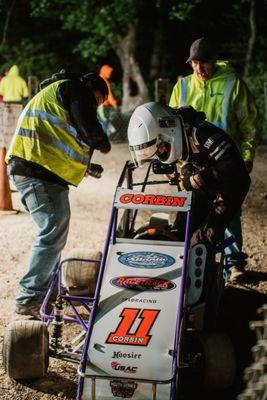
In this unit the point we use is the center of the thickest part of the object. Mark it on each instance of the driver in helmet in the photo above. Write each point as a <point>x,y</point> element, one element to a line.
<point>211,165</point>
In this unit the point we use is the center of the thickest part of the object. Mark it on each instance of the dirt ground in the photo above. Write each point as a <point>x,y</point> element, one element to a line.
<point>91,205</point>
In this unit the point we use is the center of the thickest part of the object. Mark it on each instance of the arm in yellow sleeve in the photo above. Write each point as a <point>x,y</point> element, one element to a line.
<point>247,116</point>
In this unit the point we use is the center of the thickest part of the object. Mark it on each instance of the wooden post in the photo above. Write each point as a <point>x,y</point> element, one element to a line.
<point>9,114</point>
<point>32,86</point>
<point>5,193</point>
<point>161,90</point>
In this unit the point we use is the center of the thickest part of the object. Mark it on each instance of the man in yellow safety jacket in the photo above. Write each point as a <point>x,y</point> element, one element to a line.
<point>52,146</point>
<point>227,102</point>
<point>13,87</point>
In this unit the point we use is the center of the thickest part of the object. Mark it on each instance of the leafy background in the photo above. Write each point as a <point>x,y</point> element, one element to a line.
<point>43,36</point>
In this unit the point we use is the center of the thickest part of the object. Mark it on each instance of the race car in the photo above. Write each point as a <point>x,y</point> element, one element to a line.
<point>144,305</point>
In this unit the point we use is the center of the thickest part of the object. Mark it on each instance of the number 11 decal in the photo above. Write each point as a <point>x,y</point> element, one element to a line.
<point>140,337</point>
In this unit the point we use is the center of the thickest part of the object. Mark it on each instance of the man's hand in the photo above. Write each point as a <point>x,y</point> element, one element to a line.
<point>95,170</point>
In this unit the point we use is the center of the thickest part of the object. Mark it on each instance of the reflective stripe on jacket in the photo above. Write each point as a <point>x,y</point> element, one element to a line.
<point>45,136</point>
<point>227,103</point>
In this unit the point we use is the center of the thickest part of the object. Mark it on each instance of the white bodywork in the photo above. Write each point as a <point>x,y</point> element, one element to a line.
<point>135,325</point>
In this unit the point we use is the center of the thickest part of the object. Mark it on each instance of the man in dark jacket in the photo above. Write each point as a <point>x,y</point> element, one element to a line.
<point>56,135</point>
<point>211,165</point>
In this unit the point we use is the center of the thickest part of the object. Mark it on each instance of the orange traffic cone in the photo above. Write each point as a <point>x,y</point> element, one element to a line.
<point>5,193</point>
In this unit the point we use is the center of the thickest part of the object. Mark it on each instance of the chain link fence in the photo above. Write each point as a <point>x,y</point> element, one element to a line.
<point>255,376</point>
<point>115,123</point>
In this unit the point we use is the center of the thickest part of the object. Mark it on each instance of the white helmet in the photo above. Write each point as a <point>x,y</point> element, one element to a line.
<point>150,125</point>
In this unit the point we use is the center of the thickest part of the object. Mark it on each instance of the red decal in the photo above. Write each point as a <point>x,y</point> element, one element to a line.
<point>151,199</point>
<point>140,337</point>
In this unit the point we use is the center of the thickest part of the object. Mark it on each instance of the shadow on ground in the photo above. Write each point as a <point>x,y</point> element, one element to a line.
<point>239,307</point>
<point>54,384</point>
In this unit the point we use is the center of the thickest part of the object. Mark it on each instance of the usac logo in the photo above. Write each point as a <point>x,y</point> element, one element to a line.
<point>126,369</point>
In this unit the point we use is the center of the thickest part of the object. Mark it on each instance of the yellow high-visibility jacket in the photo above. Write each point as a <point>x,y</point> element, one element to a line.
<point>13,87</point>
<point>227,103</point>
<point>45,135</point>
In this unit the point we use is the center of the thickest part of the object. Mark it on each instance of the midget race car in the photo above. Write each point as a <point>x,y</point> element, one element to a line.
<point>146,308</point>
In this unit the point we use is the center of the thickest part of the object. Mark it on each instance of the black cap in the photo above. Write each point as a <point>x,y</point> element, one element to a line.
<point>95,81</point>
<point>202,50</point>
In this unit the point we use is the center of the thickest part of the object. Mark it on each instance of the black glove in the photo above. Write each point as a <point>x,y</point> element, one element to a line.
<point>187,171</point>
<point>95,170</point>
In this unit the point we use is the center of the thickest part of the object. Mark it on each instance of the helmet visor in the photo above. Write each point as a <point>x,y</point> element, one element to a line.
<point>141,153</point>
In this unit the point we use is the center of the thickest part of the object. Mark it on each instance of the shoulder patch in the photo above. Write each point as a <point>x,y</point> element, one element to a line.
<point>209,142</point>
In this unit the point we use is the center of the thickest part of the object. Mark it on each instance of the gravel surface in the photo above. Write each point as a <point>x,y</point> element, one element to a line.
<point>91,204</point>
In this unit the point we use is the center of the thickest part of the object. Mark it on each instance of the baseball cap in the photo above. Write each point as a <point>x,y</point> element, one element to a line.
<point>202,49</point>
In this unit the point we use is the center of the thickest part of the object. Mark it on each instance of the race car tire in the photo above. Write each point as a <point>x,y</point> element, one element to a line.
<point>26,349</point>
<point>79,276</point>
<point>219,361</point>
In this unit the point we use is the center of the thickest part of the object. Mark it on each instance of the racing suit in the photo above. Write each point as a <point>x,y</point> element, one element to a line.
<point>216,173</point>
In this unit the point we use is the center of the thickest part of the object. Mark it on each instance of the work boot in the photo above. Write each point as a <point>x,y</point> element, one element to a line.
<point>236,275</point>
<point>32,310</point>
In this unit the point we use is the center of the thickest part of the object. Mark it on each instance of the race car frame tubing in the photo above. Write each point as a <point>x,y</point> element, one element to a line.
<point>94,306</point>
<point>81,299</point>
<point>180,306</point>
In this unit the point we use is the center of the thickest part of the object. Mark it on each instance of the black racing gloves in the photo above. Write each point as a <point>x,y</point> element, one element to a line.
<point>95,170</point>
<point>191,179</point>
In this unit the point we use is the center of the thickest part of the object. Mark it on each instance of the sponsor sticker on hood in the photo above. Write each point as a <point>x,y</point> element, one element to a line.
<point>146,259</point>
<point>143,283</point>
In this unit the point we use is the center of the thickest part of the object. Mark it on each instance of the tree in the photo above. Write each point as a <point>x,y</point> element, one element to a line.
<point>8,12</point>
<point>112,25</point>
<point>252,38</point>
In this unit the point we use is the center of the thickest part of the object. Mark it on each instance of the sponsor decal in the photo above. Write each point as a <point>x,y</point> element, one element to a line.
<point>143,283</point>
<point>140,337</point>
<point>209,142</point>
<point>146,259</point>
<point>126,369</point>
<point>138,300</point>
<point>119,354</point>
<point>152,199</point>
<point>123,389</point>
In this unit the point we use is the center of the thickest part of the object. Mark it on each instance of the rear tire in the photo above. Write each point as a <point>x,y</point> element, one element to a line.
<point>26,350</point>
<point>80,277</point>
<point>219,364</point>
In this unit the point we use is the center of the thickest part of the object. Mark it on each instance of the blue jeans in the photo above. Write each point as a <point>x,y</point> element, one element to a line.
<point>48,204</point>
<point>234,254</point>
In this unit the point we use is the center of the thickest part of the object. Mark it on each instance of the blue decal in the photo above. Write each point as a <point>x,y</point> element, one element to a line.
<point>146,259</point>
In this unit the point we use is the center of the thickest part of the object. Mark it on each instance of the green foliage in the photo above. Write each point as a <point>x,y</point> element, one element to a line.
<point>117,91</point>
<point>31,58</point>
<point>100,22</point>
<point>181,10</point>
<point>255,82</point>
